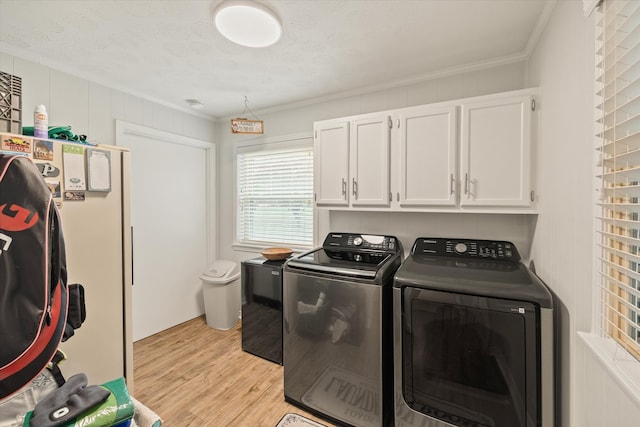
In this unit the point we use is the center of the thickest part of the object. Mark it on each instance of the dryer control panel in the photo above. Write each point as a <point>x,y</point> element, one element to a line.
<point>497,250</point>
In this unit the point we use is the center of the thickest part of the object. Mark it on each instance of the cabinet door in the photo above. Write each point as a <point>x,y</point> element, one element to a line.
<point>369,142</point>
<point>331,163</point>
<point>496,145</point>
<point>427,170</point>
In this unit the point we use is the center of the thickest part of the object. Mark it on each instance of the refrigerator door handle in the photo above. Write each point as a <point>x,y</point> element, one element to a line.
<point>132,276</point>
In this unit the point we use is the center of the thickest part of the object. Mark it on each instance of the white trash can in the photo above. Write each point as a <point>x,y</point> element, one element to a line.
<point>221,291</point>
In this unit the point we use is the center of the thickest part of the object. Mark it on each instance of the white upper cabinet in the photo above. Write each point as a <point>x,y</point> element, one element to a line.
<point>471,155</point>
<point>331,163</point>
<point>496,152</point>
<point>369,166</point>
<point>427,166</point>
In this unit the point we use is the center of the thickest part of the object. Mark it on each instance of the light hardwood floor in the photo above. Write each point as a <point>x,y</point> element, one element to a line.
<point>193,375</point>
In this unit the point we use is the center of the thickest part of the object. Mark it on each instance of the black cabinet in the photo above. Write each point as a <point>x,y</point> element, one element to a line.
<point>262,308</point>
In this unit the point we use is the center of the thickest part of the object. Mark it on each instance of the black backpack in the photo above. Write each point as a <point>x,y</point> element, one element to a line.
<point>33,276</point>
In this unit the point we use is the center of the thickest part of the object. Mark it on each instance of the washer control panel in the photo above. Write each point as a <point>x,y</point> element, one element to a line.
<point>357,242</point>
<point>466,248</point>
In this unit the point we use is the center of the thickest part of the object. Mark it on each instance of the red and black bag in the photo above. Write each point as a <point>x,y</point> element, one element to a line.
<point>33,275</point>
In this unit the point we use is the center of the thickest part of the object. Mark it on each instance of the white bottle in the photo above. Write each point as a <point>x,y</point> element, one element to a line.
<point>40,122</point>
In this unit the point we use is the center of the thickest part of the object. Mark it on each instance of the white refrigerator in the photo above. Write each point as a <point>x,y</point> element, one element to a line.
<point>90,185</point>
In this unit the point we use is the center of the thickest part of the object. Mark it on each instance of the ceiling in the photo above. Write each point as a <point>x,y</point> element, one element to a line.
<point>168,51</point>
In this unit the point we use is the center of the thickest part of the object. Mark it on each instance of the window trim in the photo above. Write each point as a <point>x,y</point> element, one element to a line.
<point>617,230</point>
<point>304,139</point>
<point>618,360</point>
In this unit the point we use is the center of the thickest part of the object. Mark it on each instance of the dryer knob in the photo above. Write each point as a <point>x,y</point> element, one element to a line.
<point>460,248</point>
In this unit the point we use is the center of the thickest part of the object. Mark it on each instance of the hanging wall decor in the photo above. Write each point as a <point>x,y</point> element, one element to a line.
<point>244,125</point>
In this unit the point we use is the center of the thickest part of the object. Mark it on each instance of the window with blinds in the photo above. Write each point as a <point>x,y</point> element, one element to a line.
<point>618,80</point>
<point>275,197</point>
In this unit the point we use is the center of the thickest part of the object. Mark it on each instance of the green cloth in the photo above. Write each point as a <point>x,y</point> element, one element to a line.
<point>57,132</point>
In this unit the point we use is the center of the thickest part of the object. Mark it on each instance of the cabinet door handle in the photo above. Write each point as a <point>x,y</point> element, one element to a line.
<point>354,187</point>
<point>344,188</point>
<point>466,183</point>
<point>451,184</point>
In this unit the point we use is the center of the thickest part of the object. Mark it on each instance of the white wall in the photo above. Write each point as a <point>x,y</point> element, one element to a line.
<point>406,226</point>
<point>92,109</point>
<point>562,65</point>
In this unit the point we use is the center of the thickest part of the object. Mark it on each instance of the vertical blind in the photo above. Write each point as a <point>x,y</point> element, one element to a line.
<point>275,197</point>
<point>618,81</point>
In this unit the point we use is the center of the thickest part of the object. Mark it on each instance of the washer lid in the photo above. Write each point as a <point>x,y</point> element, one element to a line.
<point>363,265</point>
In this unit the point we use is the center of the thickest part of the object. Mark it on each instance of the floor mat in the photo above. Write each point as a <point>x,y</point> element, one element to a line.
<point>295,420</point>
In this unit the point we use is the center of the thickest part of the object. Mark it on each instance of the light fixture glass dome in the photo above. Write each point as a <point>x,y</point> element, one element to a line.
<point>195,104</point>
<point>247,23</point>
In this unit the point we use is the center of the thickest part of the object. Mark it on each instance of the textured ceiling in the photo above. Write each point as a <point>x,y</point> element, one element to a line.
<point>169,51</point>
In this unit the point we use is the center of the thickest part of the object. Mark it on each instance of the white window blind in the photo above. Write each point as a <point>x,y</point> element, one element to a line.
<point>618,72</point>
<point>275,197</point>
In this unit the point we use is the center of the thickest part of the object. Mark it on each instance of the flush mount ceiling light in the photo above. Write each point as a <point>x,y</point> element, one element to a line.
<point>195,104</point>
<point>247,23</point>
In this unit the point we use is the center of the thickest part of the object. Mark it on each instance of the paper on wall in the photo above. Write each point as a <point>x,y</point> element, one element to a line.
<point>74,169</point>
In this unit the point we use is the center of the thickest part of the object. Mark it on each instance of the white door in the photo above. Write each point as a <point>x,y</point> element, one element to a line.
<point>369,161</point>
<point>428,175</point>
<point>171,198</point>
<point>496,152</point>
<point>331,161</point>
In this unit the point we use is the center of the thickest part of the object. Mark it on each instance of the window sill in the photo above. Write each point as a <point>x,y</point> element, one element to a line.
<point>623,368</point>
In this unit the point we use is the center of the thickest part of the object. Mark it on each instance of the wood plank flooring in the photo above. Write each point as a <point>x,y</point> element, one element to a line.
<point>193,375</point>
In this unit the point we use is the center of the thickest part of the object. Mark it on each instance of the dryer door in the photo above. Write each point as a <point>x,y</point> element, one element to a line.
<point>470,360</point>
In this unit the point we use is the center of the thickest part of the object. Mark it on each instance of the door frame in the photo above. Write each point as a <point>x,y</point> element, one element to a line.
<point>126,128</point>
